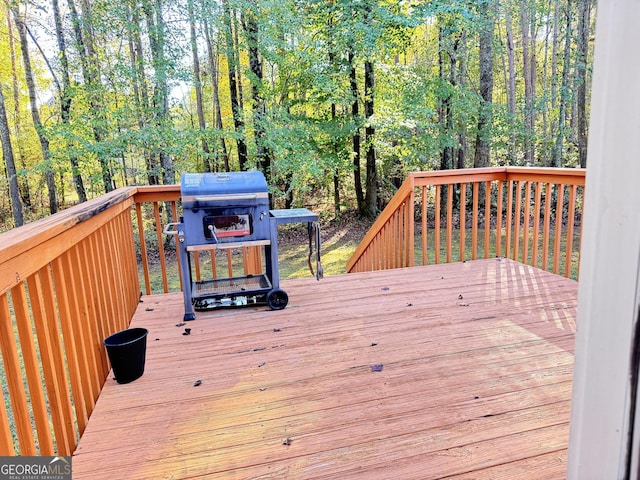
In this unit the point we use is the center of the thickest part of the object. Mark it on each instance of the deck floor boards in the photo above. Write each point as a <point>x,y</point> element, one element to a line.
<point>476,382</point>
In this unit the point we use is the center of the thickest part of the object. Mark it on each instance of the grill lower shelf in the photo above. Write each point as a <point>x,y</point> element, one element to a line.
<point>249,285</point>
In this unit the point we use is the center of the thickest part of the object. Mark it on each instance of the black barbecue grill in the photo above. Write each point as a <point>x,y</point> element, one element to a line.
<point>231,210</point>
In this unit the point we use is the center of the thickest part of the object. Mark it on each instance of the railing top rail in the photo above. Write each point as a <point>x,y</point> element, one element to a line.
<point>21,239</point>
<point>157,193</point>
<point>468,175</point>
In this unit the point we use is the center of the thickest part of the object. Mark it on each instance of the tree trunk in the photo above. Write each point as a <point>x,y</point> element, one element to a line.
<point>564,90</point>
<point>584,21</point>
<point>7,156</point>
<point>250,24</point>
<point>213,66</point>
<point>371,197</point>
<point>445,113</point>
<point>23,183</point>
<point>141,90</point>
<point>208,164</point>
<point>238,120</point>
<point>525,24</point>
<point>482,149</point>
<point>155,22</point>
<point>463,144</point>
<point>44,141</point>
<point>89,65</point>
<point>555,121</point>
<point>512,86</point>
<point>355,116</point>
<point>65,101</point>
<point>334,141</point>
<point>234,22</point>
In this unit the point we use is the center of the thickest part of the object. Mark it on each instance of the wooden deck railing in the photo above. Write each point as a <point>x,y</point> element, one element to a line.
<point>532,215</point>
<point>67,282</point>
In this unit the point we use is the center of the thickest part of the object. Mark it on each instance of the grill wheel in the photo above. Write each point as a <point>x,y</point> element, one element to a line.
<point>277,299</point>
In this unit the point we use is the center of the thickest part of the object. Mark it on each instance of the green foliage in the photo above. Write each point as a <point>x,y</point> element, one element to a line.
<point>425,56</point>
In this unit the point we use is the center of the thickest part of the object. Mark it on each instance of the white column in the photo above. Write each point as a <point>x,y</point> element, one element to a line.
<point>610,258</point>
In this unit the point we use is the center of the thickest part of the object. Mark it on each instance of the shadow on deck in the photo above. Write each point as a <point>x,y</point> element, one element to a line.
<point>476,358</point>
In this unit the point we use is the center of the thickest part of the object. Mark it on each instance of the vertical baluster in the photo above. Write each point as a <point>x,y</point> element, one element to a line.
<point>462,208</point>
<point>196,261</point>
<point>229,262</point>
<point>509,219</point>
<point>499,218</point>
<point>436,240</point>
<point>128,262</point>
<point>143,249</point>
<point>391,236</point>
<point>214,266</point>
<point>32,368</point>
<point>163,260</point>
<point>62,275</point>
<point>6,440</point>
<point>516,222</point>
<point>536,225</point>
<point>410,231</point>
<point>425,253</point>
<point>570,221</point>
<point>558,233</point>
<point>13,372</point>
<point>108,298</point>
<point>388,245</point>
<point>449,220</point>
<point>546,233</point>
<point>96,325</point>
<point>487,217</point>
<point>53,362</point>
<point>527,219</point>
<point>82,313</point>
<point>117,272</point>
<point>174,212</point>
<point>394,239</point>
<point>474,222</point>
<point>580,233</point>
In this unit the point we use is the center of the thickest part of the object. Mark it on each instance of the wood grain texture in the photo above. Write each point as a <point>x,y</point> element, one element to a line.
<point>476,382</point>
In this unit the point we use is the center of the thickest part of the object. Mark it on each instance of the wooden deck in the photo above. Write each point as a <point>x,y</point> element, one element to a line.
<point>476,382</point>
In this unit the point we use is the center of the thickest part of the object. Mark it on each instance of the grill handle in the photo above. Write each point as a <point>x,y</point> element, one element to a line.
<point>169,230</point>
<point>225,198</point>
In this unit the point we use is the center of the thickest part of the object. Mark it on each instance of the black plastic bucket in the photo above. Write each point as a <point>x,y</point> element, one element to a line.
<point>126,350</point>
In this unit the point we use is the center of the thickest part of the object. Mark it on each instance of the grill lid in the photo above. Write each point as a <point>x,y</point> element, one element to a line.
<point>226,188</point>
